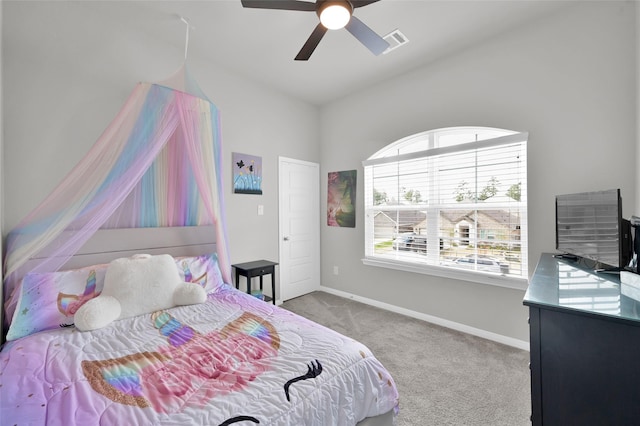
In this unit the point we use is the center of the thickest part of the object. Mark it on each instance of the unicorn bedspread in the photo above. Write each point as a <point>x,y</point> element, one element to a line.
<point>233,359</point>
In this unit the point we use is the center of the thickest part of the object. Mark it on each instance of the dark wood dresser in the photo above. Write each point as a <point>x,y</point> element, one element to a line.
<point>585,347</point>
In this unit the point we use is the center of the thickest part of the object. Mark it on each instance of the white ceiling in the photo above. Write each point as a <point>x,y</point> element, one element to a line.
<point>261,44</point>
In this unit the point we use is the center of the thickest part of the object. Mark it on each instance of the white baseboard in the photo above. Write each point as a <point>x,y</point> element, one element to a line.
<point>509,341</point>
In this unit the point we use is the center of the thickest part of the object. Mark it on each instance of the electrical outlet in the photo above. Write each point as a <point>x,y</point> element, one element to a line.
<point>260,210</point>
<point>335,270</point>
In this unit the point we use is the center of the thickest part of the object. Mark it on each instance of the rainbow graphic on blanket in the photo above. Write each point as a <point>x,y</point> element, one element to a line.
<point>201,366</point>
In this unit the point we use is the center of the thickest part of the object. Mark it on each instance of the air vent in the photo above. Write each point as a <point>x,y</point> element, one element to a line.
<point>395,39</point>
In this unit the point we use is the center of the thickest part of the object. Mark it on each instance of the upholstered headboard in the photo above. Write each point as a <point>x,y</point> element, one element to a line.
<point>109,244</point>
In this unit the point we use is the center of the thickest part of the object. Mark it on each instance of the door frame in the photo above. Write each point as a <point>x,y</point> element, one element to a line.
<point>283,275</point>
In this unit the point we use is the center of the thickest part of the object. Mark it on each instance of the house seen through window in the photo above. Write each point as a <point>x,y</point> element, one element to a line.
<point>452,202</point>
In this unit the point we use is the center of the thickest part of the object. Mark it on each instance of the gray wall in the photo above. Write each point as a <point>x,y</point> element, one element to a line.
<point>569,80</point>
<point>63,93</point>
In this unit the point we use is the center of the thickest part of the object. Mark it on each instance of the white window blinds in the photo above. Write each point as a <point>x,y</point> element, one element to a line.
<point>452,198</point>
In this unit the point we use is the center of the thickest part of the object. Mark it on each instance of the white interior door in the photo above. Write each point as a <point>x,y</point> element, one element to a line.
<point>299,199</point>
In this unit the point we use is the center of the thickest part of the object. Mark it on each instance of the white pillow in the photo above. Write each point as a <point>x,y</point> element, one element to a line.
<point>137,285</point>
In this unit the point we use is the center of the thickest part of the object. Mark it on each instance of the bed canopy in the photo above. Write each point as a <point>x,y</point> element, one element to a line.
<point>156,165</point>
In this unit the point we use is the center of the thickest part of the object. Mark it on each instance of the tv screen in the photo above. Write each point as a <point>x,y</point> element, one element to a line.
<point>589,225</point>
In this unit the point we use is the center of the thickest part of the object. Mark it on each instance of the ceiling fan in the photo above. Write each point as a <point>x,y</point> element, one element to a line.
<point>333,14</point>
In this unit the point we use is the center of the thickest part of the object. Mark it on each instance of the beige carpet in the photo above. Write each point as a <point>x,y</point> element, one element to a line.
<point>444,377</point>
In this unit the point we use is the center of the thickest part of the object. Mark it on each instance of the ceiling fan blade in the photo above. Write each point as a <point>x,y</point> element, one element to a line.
<point>311,43</point>
<point>280,4</point>
<point>366,36</point>
<point>361,3</point>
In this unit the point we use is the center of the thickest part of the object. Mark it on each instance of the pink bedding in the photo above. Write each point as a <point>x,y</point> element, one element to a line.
<point>231,360</point>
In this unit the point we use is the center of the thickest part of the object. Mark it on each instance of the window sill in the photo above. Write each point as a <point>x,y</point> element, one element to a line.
<point>441,271</point>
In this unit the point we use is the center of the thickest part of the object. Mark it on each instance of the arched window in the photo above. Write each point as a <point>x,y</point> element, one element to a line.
<point>450,202</point>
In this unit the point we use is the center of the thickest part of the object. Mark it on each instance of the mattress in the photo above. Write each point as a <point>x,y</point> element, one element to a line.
<point>231,360</point>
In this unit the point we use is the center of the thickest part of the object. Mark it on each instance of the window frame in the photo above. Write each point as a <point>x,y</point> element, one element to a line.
<point>382,157</point>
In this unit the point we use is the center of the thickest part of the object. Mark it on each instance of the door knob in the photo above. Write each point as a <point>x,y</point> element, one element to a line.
<point>286,238</point>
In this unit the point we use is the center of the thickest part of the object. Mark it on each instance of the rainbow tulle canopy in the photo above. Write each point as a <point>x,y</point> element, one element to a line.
<point>157,164</point>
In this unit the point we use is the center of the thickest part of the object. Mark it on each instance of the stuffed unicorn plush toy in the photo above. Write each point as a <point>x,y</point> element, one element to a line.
<point>137,285</point>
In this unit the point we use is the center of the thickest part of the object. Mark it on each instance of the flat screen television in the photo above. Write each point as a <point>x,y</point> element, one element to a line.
<point>589,225</point>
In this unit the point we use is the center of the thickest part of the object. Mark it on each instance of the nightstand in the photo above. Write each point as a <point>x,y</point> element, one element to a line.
<point>257,268</point>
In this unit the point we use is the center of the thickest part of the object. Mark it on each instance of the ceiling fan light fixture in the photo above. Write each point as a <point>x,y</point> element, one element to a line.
<point>335,15</point>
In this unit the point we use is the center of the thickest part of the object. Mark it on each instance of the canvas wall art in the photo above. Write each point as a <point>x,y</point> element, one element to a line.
<point>341,199</point>
<point>247,174</point>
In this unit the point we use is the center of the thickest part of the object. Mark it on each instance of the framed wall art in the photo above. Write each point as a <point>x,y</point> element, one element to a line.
<point>341,199</point>
<point>247,174</point>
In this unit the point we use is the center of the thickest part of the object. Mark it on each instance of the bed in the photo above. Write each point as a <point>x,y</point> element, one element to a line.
<point>233,359</point>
